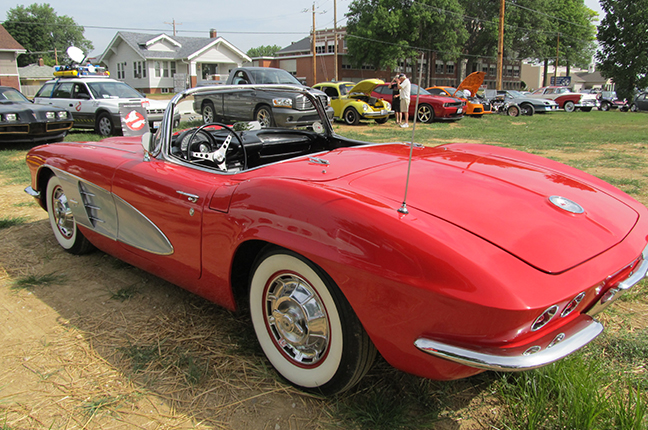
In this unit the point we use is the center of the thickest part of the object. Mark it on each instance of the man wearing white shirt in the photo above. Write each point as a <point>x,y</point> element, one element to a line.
<point>404,86</point>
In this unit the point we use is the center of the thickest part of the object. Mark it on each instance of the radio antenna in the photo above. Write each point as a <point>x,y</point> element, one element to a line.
<point>403,208</point>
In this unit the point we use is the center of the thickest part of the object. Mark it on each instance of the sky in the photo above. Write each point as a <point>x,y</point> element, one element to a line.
<point>245,23</point>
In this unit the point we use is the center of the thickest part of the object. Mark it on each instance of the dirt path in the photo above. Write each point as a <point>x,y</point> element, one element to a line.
<point>97,344</point>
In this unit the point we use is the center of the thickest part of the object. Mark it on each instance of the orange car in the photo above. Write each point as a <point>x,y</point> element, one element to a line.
<point>475,106</point>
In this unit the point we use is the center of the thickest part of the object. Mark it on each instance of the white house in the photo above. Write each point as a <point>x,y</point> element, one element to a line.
<point>163,64</point>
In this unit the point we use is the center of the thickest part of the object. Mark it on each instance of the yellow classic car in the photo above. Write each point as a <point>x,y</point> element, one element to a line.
<point>352,102</point>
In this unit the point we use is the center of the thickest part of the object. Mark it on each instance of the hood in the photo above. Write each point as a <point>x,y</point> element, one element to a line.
<point>505,197</point>
<point>472,83</point>
<point>366,86</point>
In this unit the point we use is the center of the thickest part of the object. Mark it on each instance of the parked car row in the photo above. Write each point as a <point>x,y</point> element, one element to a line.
<point>305,229</point>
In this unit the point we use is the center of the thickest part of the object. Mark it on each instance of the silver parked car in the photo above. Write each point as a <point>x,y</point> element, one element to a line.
<point>528,105</point>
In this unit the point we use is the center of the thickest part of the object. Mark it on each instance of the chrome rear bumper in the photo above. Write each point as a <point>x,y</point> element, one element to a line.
<point>553,346</point>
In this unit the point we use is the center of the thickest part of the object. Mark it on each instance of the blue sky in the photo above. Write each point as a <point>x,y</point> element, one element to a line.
<point>245,23</point>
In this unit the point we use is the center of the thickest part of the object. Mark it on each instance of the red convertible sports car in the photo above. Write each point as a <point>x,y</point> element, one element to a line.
<point>446,260</point>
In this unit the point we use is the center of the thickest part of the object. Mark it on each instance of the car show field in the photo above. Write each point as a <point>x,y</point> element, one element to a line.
<point>92,342</point>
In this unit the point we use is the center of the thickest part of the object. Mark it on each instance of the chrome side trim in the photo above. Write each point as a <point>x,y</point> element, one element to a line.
<point>136,230</point>
<point>109,215</point>
<point>582,332</point>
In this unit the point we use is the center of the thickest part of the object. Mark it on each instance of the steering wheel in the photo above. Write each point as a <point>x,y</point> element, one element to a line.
<point>203,146</point>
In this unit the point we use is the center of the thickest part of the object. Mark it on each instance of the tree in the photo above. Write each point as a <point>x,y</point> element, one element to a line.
<point>382,33</point>
<point>41,31</point>
<point>263,51</point>
<point>623,45</point>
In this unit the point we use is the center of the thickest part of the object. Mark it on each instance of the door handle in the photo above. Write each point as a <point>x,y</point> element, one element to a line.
<point>191,197</point>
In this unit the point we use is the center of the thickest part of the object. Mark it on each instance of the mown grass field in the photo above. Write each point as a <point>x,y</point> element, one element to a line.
<point>604,386</point>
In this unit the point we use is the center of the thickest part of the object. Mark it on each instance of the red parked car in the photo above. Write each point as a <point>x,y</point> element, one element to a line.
<point>566,98</point>
<point>492,259</point>
<point>430,107</point>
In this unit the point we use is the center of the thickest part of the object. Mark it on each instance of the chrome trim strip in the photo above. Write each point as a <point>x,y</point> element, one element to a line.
<point>36,194</point>
<point>519,362</point>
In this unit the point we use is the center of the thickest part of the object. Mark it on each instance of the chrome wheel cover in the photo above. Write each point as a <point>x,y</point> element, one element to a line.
<point>62,213</point>
<point>296,319</point>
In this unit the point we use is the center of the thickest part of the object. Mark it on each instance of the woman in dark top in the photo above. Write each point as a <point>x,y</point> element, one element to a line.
<point>395,99</point>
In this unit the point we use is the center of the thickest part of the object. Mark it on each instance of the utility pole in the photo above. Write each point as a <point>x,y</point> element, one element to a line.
<point>500,47</point>
<point>335,62</point>
<point>313,47</point>
<point>174,26</point>
<point>556,65</point>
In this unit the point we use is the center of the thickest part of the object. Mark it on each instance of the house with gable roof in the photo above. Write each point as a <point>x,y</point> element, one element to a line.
<point>158,63</point>
<point>10,49</point>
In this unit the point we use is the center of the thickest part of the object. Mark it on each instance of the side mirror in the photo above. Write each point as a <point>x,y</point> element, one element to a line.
<point>147,142</point>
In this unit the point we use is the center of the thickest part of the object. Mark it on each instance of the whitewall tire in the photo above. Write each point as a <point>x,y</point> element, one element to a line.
<point>305,326</point>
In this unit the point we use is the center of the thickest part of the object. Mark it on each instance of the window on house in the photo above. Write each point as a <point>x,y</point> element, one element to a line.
<point>158,69</point>
<point>173,68</point>
<point>450,68</point>
<point>516,71</point>
<point>331,48</point>
<point>484,68</point>
<point>135,75</point>
<point>493,70</point>
<point>438,67</point>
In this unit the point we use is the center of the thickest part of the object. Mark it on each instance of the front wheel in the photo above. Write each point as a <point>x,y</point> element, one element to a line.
<point>605,106</point>
<point>351,116</point>
<point>62,220</point>
<point>425,113</point>
<point>305,325</point>
<point>633,108</point>
<point>104,125</point>
<point>527,109</point>
<point>264,116</point>
<point>569,106</point>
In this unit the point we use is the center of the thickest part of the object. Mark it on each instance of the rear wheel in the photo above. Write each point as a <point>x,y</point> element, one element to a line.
<point>513,111</point>
<point>104,125</point>
<point>62,220</point>
<point>351,116</point>
<point>305,325</point>
<point>569,106</point>
<point>425,113</point>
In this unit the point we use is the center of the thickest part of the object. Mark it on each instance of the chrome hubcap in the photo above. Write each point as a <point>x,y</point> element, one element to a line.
<point>297,319</point>
<point>62,213</point>
<point>264,118</point>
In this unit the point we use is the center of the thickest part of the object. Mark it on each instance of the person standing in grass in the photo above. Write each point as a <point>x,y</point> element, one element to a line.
<point>405,87</point>
<point>396,99</point>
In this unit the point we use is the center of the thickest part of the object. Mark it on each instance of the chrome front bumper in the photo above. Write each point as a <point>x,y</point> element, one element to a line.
<point>540,352</point>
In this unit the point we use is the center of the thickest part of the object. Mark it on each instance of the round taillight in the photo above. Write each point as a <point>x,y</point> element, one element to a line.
<point>543,319</point>
<point>572,305</point>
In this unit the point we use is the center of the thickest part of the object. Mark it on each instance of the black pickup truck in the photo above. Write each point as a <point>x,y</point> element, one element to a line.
<point>269,108</point>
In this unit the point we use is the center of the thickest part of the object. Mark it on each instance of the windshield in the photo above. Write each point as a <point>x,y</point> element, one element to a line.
<point>274,76</point>
<point>12,95</point>
<point>113,90</point>
<point>609,94</point>
<point>515,94</point>
<point>414,90</point>
<point>345,88</point>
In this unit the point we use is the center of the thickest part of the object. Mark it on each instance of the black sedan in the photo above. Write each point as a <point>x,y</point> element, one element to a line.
<point>640,102</point>
<point>23,121</point>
